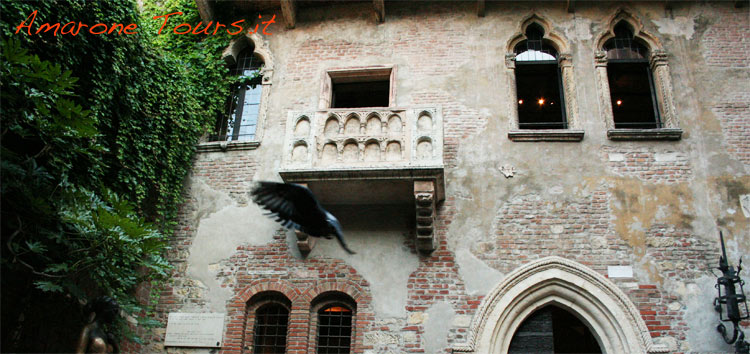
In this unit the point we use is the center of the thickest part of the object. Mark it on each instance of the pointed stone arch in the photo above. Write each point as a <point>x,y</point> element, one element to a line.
<point>596,301</point>
<point>260,49</point>
<point>651,41</point>
<point>556,39</point>
<point>659,66</point>
<point>573,131</point>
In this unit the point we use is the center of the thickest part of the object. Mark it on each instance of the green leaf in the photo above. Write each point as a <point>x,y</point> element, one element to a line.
<point>48,286</point>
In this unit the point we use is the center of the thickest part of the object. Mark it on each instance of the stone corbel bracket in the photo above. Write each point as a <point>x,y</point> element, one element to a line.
<point>424,199</point>
<point>305,243</point>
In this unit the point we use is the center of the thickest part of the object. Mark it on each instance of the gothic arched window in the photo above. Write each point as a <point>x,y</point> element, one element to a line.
<point>635,86</point>
<point>541,103</point>
<point>631,83</point>
<point>242,109</point>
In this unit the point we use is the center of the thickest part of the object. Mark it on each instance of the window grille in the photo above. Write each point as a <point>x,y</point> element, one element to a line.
<point>241,118</point>
<point>631,84</point>
<point>535,48</point>
<point>334,329</point>
<point>624,46</point>
<point>269,336</point>
<point>538,83</point>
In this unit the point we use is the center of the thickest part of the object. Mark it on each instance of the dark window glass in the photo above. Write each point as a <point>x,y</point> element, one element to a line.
<point>360,94</point>
<point>633,104</point>
<point>334,330</point>
<point>241,117</point>
<point>631,84</point>
<point>538,83</point>
<point>269,336</point>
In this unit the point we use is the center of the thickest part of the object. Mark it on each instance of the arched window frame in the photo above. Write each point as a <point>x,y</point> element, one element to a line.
<point>326,299</point>
<point>573,132</point>
<point>662,83</point>
<point>255,303</point>
<point>230,56</point>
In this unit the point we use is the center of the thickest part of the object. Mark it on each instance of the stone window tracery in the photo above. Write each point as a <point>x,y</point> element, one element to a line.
<point>241,127</point>
<point>242,108</point>
<point>540,100</point>
<point>543,103</point>
<point>635,89</point>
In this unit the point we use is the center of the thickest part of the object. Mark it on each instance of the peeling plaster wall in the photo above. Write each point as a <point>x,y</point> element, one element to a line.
<point>652,205</point>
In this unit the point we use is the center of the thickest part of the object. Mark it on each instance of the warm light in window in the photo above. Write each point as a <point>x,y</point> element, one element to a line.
<point>619,102</point>
<point>541,101</point>
<point>520,101</point>
<point>337,309</point>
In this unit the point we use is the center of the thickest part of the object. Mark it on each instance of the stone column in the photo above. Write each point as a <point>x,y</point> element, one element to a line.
<point>663,83</point>
<point>605,97</point>
<point>569,87</point>
<point>510,65</point>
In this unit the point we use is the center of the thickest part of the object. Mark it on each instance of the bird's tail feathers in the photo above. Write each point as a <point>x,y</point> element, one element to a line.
<point>340,238</point>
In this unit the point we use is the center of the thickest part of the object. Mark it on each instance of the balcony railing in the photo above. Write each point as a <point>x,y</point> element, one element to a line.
<point>364,139</point>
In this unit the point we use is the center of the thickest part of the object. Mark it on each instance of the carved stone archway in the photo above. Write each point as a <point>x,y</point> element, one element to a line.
<point>596,301</point>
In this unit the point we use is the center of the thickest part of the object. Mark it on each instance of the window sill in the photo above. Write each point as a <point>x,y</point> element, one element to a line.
<point>546,135</point>
<point>645,134</point>
<point>213,146</point>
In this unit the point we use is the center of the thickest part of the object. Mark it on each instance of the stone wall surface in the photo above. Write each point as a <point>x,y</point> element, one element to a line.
<point>654,206</point>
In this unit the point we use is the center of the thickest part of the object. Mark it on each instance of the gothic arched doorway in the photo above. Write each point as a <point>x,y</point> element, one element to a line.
<point>552,329</point>
<point>599,305</point>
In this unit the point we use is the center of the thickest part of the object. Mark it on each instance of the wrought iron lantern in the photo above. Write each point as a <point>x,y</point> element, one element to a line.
<point>731,304</point>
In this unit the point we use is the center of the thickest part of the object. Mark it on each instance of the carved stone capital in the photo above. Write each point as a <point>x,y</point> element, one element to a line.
<point>510,60</point>
<point>658,58</point>
<point>267,74</point>
<point>600,58</point>
<point>565,60</point>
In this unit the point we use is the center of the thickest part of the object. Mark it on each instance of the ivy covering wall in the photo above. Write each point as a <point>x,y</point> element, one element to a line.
<point>98,134</point>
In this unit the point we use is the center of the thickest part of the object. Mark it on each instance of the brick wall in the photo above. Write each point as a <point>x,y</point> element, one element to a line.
<point>725,44</point>
<point>578,226</point>
<point>647,164</point>
<point>231,174</point>
<point>530,227</point>
<point>734,116</point>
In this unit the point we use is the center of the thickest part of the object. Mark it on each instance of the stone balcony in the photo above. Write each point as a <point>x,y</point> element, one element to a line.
<point>370,156</point>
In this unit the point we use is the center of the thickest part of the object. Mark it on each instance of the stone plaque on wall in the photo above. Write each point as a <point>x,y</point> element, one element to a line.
<point>194,329</point>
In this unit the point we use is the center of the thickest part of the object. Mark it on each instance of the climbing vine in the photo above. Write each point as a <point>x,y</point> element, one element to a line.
<point>98,134</point>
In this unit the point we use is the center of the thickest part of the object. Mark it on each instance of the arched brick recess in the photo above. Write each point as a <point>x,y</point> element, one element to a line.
<point>363,316</point>
<point>233,336</point>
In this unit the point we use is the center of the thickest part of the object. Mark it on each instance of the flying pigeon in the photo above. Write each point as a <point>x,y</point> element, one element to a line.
<point>295,207</point>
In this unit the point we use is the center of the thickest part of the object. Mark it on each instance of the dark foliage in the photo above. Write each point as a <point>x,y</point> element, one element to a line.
<point>98,133</point>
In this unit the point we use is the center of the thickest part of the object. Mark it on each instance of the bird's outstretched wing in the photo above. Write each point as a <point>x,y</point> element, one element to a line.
<point>295,206</point>
<point>292,205</point>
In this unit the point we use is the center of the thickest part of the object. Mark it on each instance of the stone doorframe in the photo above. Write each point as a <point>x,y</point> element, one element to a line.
<point>596,301</point>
